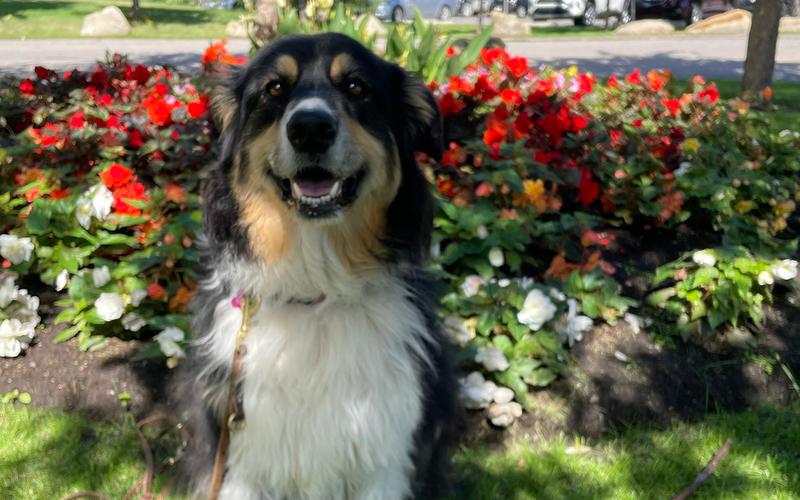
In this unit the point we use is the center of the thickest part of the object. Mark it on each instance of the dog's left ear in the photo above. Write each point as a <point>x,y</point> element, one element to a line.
<point>423,119</point>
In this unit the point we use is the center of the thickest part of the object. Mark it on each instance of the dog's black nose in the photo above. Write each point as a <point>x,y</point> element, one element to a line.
<point>311,131</point>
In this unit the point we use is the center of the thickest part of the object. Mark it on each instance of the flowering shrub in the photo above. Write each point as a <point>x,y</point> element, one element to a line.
<point>548,178</point>
<point>102,182</point>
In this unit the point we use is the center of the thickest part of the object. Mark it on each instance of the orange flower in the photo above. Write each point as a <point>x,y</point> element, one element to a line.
<point>181,299</point>
<point>156,291</point>
<point>559,268</point>
<point>175,193</point>
<point>534,195</point>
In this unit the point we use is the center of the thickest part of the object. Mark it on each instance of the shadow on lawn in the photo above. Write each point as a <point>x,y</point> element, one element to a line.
<point>18,8</point>
<point>648,464</point>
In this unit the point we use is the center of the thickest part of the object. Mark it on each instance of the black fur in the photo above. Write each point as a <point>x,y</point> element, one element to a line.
<point>394,116</point>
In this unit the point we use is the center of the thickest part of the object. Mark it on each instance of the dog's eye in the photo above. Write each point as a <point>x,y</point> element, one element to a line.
<point>356,87</point>
<point>276,88</point>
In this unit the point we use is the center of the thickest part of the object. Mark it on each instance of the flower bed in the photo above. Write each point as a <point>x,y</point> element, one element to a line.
<point>551,186</point>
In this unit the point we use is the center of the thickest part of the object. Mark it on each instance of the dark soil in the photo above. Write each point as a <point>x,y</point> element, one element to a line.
<point>61,376</point>
<point>657,384</point>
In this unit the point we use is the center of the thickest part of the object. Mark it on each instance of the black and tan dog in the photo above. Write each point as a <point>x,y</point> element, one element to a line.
<point>318,207</point>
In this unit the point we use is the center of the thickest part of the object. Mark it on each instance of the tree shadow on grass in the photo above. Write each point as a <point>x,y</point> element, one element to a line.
<point>17,8</point>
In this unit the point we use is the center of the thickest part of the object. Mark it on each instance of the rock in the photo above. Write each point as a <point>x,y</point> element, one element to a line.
<point>790,25</point>
<point>236,29</point>
<point>373,27</point>
<point>646,27</point>
<point>107,22</point>
<point>504,414</point>
<point>509,25</point>
<point>503,395</point>
<point>736,21</point>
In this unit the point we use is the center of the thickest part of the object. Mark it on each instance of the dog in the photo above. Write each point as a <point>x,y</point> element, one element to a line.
<point>317,206</point>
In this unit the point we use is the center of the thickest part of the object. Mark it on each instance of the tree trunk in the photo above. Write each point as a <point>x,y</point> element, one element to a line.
<point>265,21</point>
<point>135,8</point>
<point>763,39</point>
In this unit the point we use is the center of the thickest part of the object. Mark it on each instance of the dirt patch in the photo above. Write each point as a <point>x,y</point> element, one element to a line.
<point>655,384</point>
<point>61,376</point>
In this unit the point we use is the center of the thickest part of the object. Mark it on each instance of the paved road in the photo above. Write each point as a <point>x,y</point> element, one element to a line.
<point>712,56</point>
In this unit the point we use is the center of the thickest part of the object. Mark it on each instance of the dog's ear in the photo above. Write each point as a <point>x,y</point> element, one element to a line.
<point>223,105</point>
<point>423,119</point>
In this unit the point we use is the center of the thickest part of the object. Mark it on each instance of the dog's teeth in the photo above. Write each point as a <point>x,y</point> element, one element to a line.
<point>296,191</point>
<point>335,189</point>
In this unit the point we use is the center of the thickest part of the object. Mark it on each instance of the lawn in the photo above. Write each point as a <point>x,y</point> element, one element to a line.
<point>47,454</point>
<point>63,19</point>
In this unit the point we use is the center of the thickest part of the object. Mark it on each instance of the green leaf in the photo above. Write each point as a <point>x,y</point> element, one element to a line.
<point>541,377</point>
<point>24,398</point>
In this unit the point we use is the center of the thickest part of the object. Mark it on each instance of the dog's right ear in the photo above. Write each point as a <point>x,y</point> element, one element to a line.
<point>223,105</point>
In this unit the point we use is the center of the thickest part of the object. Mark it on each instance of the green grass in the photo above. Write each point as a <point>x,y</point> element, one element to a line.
<point>644,464</point>
<point>63,18</point>
<point>47,454</point>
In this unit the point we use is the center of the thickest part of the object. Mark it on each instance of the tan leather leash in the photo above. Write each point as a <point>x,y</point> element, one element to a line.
<point>234,419</point>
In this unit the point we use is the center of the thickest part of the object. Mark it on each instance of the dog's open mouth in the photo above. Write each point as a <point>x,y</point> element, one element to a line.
<point>318,193</point>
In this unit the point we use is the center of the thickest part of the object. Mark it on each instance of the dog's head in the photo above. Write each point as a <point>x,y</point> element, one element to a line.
<point>321,122</point>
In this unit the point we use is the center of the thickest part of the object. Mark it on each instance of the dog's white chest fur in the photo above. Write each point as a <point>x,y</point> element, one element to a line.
<point>331,393</point>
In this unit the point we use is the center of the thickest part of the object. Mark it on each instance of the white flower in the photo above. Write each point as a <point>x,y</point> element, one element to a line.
<point>15,335</point>
<point>109,306</point>
<point>784,133</point>
<point>704,258</point>
<point>102,199</point>
<point>137,296</point>
<point>26,308</point>
<point>537,310</point>
<point>477,392</point>
<point>101,276</point>
<point>8,291</point>
<point>504,414</point>
<point>503,395</point>
<point>83,212</point>
<point>61,280</point>
<point>496,257</point>
<point>455,328</point>
<point>436,250</point>
<point>682,169</point>
<point>472,285</point>
<point>571,326</point>
<point>785,269</point>
<point>168,342</point>
<point>482,232</point>
<point>503,282</point>
<point>15,249</point>
<point>557,294</point>
<point>133,322</point>
<point>765,278</point>
<point>635,322</point>
<point>492,359</point>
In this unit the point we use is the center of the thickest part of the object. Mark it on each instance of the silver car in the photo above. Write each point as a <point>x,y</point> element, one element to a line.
<point>399,10</point>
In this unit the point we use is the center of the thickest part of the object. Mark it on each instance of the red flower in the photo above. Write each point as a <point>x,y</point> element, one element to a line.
<point>59,194</point>
<point>175,193</point>
<point>588,188</point>
<point>445,187</point>
<point>26,87</point>
<point>198,108</point>
<point>634,77</point>
<point>139,74</point>
<point>711,93</point>
<point>517,66</point>
<point>132,191</point>
<point>156,291</point>
<point>613,82</point>
<point>158,111</point>
<point>484,189</point>
<point>77,121</point>
<point>135,139</point>
<point>511,96</point>
<point>489,56</point>
<point>579,123</point>
<point>160,89</point>
<point>637,123</point>
<point>116,176</point>
<point>32,194</point>
<point>43,73</point>
<point>616,138</point>
<point>657,79</point>
<point>672,105</point>
<point>451,52</point>
<point>218,53</point>
<point>449,105</point>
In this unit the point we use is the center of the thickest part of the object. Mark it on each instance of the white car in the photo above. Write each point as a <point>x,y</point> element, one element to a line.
<point>584,12</point>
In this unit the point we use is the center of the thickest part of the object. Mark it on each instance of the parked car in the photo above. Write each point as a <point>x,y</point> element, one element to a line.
<point>399,10</point>
<point>472,7</point>
<point>690,11</point>
<point>583,12</point>
<point>519,7</point>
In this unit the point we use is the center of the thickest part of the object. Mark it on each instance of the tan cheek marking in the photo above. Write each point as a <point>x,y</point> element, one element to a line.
<point>286,66</point>
<point>341,64</point>
<point>357,239</point>
<point>263,212</point>
<point>223,105</point>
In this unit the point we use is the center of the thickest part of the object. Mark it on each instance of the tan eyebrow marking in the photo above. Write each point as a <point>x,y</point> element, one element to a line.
<point>286,67</point>
<point>341,65</point>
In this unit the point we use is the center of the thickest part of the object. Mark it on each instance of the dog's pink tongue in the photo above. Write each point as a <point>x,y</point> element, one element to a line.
<point>315,188</point>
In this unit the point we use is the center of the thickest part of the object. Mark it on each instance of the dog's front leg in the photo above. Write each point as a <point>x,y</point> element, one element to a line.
<point>388,483</point>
